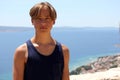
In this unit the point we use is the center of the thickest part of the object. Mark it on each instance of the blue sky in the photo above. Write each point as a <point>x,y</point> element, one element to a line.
<point>77,13</point>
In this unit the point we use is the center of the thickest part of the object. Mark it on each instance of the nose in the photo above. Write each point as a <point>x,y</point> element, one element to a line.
<point>43,23</point>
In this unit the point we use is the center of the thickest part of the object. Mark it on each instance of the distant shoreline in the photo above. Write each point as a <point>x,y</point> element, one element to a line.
<point>14,29</point>
<point>22,28</point>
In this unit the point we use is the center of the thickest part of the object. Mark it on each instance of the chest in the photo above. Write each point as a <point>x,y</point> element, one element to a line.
<point>45,50</point>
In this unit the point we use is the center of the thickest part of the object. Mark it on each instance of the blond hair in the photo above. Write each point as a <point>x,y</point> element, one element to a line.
<point>35,10</point>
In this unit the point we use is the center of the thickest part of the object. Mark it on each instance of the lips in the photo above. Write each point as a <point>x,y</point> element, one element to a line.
<point>43,27</point>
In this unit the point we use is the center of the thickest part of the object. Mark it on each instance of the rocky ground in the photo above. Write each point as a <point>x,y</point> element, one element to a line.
<point>111,74</point>
<point>104,68</point>
<point>101,64</point>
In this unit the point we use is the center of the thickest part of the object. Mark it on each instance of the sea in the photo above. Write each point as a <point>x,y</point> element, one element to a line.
<point>85,44</point>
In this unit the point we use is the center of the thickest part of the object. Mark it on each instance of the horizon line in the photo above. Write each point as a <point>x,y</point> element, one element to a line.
<point>68,26</point>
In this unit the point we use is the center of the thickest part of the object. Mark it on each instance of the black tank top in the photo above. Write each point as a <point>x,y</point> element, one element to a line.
<point>40,67</point>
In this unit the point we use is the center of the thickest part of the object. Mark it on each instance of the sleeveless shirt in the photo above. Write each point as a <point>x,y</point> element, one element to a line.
<point>40,67</point>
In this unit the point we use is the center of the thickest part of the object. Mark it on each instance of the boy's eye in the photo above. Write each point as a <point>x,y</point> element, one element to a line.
<point>47,18</point>
<point>43,19</point>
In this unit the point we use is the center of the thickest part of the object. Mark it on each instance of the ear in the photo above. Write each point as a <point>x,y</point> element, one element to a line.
<point>32,21</point>
<point>53,21</point>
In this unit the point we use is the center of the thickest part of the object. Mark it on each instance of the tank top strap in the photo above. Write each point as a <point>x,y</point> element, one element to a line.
<point>59,46</point>
<point>61,51</point>
<point>28,42</point>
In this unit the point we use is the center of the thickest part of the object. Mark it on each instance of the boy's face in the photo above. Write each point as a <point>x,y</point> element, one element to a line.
<point>43,22</point>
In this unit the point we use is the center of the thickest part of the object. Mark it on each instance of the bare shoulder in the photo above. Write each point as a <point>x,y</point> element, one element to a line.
<point>65,51</point>
<point>19,62</point>
<point>66,63</point>
<point>20,51</point>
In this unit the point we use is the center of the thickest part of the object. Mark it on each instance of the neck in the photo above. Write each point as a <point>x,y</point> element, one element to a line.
<point>42,39</point>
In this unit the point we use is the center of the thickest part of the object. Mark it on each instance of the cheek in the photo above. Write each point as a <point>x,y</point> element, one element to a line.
<point>35,23</point>
<point>51,25</point>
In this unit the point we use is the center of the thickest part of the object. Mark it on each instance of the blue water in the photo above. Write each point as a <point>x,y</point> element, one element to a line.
<point>85,44</point>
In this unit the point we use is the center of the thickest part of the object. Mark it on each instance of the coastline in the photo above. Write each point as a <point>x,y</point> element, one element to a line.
<point>104,68</point>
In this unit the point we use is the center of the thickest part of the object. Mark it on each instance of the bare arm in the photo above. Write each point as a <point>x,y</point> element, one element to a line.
<point>66,63</point>
<point>18,64</point>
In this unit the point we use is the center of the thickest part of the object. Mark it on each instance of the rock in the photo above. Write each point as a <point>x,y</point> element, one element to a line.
<point>111,74</point>
<point>101,64</point>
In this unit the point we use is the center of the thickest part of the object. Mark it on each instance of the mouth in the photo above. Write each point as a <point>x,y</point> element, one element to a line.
<point>43,27</point>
